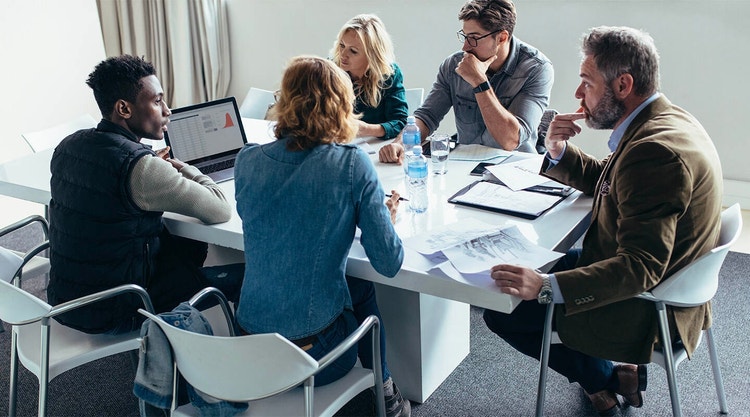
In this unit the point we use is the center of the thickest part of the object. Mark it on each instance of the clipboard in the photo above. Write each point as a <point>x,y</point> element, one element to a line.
<point>492,196</point>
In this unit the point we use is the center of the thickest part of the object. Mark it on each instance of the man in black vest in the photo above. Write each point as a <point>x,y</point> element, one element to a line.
<point>109,192</point>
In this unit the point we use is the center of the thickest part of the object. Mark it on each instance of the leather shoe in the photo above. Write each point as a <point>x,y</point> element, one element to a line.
<point>605,402</point>
<point>632,383</point>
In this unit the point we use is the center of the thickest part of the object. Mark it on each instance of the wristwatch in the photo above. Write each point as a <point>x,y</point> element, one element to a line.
<point>545,293</point>
<point>482,87</point>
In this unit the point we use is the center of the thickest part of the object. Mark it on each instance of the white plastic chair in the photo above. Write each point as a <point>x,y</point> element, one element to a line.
<point>12,260</point>
<point>45,347</point>
<point>256,103</point>
<point>50,137</point>
<point>267,371</point>
<point>691,286</point>
<point>414,98</point>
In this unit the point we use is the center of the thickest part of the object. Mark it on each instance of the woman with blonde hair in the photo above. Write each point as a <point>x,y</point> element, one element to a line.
<point>300,199</point>
<point>364,50</point>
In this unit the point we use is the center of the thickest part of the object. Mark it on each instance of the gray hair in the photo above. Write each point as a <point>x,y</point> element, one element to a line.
<point>624,50</point>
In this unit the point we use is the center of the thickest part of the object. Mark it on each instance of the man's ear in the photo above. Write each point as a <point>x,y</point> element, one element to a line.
<point>502,37</point>
<point>623,86</point>
<point>122,109</point>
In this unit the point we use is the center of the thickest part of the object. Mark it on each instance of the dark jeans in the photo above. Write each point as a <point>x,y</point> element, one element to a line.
<point>523,329</point>
<point>180,274</point>
<point>364,304</point>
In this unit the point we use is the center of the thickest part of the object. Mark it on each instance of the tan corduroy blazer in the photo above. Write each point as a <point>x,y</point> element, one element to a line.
<point>657,207</point>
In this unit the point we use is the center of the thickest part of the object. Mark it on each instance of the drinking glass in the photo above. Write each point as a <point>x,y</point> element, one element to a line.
<point>439,149</point>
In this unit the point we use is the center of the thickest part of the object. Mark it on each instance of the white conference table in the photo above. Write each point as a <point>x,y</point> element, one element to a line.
<point>425,312</point>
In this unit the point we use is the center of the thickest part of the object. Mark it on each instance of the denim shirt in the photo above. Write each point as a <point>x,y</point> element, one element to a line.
<point>299,212</point>
<point>522,85</point>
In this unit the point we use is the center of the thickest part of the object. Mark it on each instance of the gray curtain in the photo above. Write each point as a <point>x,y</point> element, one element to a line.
<point>186,40</point>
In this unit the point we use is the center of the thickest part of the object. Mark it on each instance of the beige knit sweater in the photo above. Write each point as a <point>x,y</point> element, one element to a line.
<point>156,185</point>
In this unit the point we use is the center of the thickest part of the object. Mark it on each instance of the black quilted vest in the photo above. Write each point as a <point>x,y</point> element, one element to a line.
<point>98,237</point>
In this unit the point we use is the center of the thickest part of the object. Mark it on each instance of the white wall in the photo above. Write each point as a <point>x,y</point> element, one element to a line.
<point>48,47</point>
<point>703,47</point>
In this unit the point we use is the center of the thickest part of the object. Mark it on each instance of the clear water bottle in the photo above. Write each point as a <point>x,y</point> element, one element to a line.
<point>417,177</point>
<point>410,136</point>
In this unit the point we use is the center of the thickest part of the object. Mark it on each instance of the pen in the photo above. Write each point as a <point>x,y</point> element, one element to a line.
<point>399,199</point>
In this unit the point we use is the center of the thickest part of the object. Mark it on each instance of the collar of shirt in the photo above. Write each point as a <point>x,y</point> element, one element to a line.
<point>509,66</point>
<point>108,126</point>
<point>616,136</point>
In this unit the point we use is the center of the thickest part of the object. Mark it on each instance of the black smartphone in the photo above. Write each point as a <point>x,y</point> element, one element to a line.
<point>480,168</point>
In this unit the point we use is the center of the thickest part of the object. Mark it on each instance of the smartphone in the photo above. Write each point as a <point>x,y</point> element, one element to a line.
<point>480,168</point>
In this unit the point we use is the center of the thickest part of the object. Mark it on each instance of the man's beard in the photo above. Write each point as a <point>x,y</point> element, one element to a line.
<point>607,112</point>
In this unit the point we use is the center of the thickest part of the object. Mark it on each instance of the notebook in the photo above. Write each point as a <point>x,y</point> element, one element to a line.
<point>208,136</point>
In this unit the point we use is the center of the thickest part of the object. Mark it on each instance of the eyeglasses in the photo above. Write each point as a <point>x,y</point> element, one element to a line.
<point>473,40</point>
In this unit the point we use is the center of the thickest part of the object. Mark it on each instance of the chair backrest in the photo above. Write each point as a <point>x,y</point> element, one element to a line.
<point>243,368</point>
<point>256,103</point>
<point>414,98</point>
<point>696,283</point>
<point>50,137</point>
<point>547,117</point>
<point>18,307</point>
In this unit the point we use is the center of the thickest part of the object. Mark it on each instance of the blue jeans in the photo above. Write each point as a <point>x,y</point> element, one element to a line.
<point>523,329</point>
<point>328,339</point>
<point>364,304</point>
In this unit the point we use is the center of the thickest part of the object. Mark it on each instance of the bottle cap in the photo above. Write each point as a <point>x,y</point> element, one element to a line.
<point>411,120</point>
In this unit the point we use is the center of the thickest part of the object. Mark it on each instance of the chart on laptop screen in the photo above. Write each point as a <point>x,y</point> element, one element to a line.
<point>203,132</point>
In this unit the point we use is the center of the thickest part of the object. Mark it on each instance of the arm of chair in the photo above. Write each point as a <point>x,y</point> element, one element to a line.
<point>24,222</point>
<point>370,322</point>
<point>222,299</point>
<point>101,295</point>
<point>28,256</point>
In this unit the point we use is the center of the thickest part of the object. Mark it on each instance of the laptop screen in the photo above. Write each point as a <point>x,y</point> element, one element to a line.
<point>206,131</point>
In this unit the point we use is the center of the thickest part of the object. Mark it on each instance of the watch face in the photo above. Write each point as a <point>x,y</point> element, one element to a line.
<point>545,296</point>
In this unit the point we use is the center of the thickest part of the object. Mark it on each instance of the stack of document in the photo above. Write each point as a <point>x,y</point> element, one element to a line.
<point>466,250</point>
<point>514,188</point>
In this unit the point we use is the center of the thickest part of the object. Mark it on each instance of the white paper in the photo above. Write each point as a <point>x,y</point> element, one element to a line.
<point>521,174</point>
<point>507,246</point>
<point>449,235</point>
<point>475,152</point>
<point>500,197</point>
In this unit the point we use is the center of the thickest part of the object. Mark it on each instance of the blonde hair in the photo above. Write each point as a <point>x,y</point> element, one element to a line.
<point>315,104</point>
<point>378,49</point>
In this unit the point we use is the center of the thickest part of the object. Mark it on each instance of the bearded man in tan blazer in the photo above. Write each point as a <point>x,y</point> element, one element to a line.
<point>657,207</point>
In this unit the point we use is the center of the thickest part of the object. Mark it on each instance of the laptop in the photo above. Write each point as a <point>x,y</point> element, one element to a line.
<point>208,136</point>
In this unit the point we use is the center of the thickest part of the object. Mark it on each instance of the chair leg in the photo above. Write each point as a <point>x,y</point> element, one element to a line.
<point>718,380</point>
<point>666,343</point>
<point>377,370</point>
<point>309,399</point>
<point>44,368</point>
<point>544,361</point>
<point>12,390</point>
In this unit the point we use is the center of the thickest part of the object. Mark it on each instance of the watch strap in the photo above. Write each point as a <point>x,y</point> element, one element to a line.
<point>482,87</point>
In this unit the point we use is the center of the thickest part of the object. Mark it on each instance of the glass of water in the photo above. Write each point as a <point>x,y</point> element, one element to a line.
<point>439,148</point>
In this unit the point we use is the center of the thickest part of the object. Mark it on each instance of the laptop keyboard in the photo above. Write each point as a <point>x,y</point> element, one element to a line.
<point>218,166</point>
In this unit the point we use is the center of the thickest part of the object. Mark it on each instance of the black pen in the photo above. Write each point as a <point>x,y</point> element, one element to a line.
<point>399,199</point>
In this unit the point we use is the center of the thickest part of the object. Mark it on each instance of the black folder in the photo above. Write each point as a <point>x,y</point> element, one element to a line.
<point>528,204</point>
